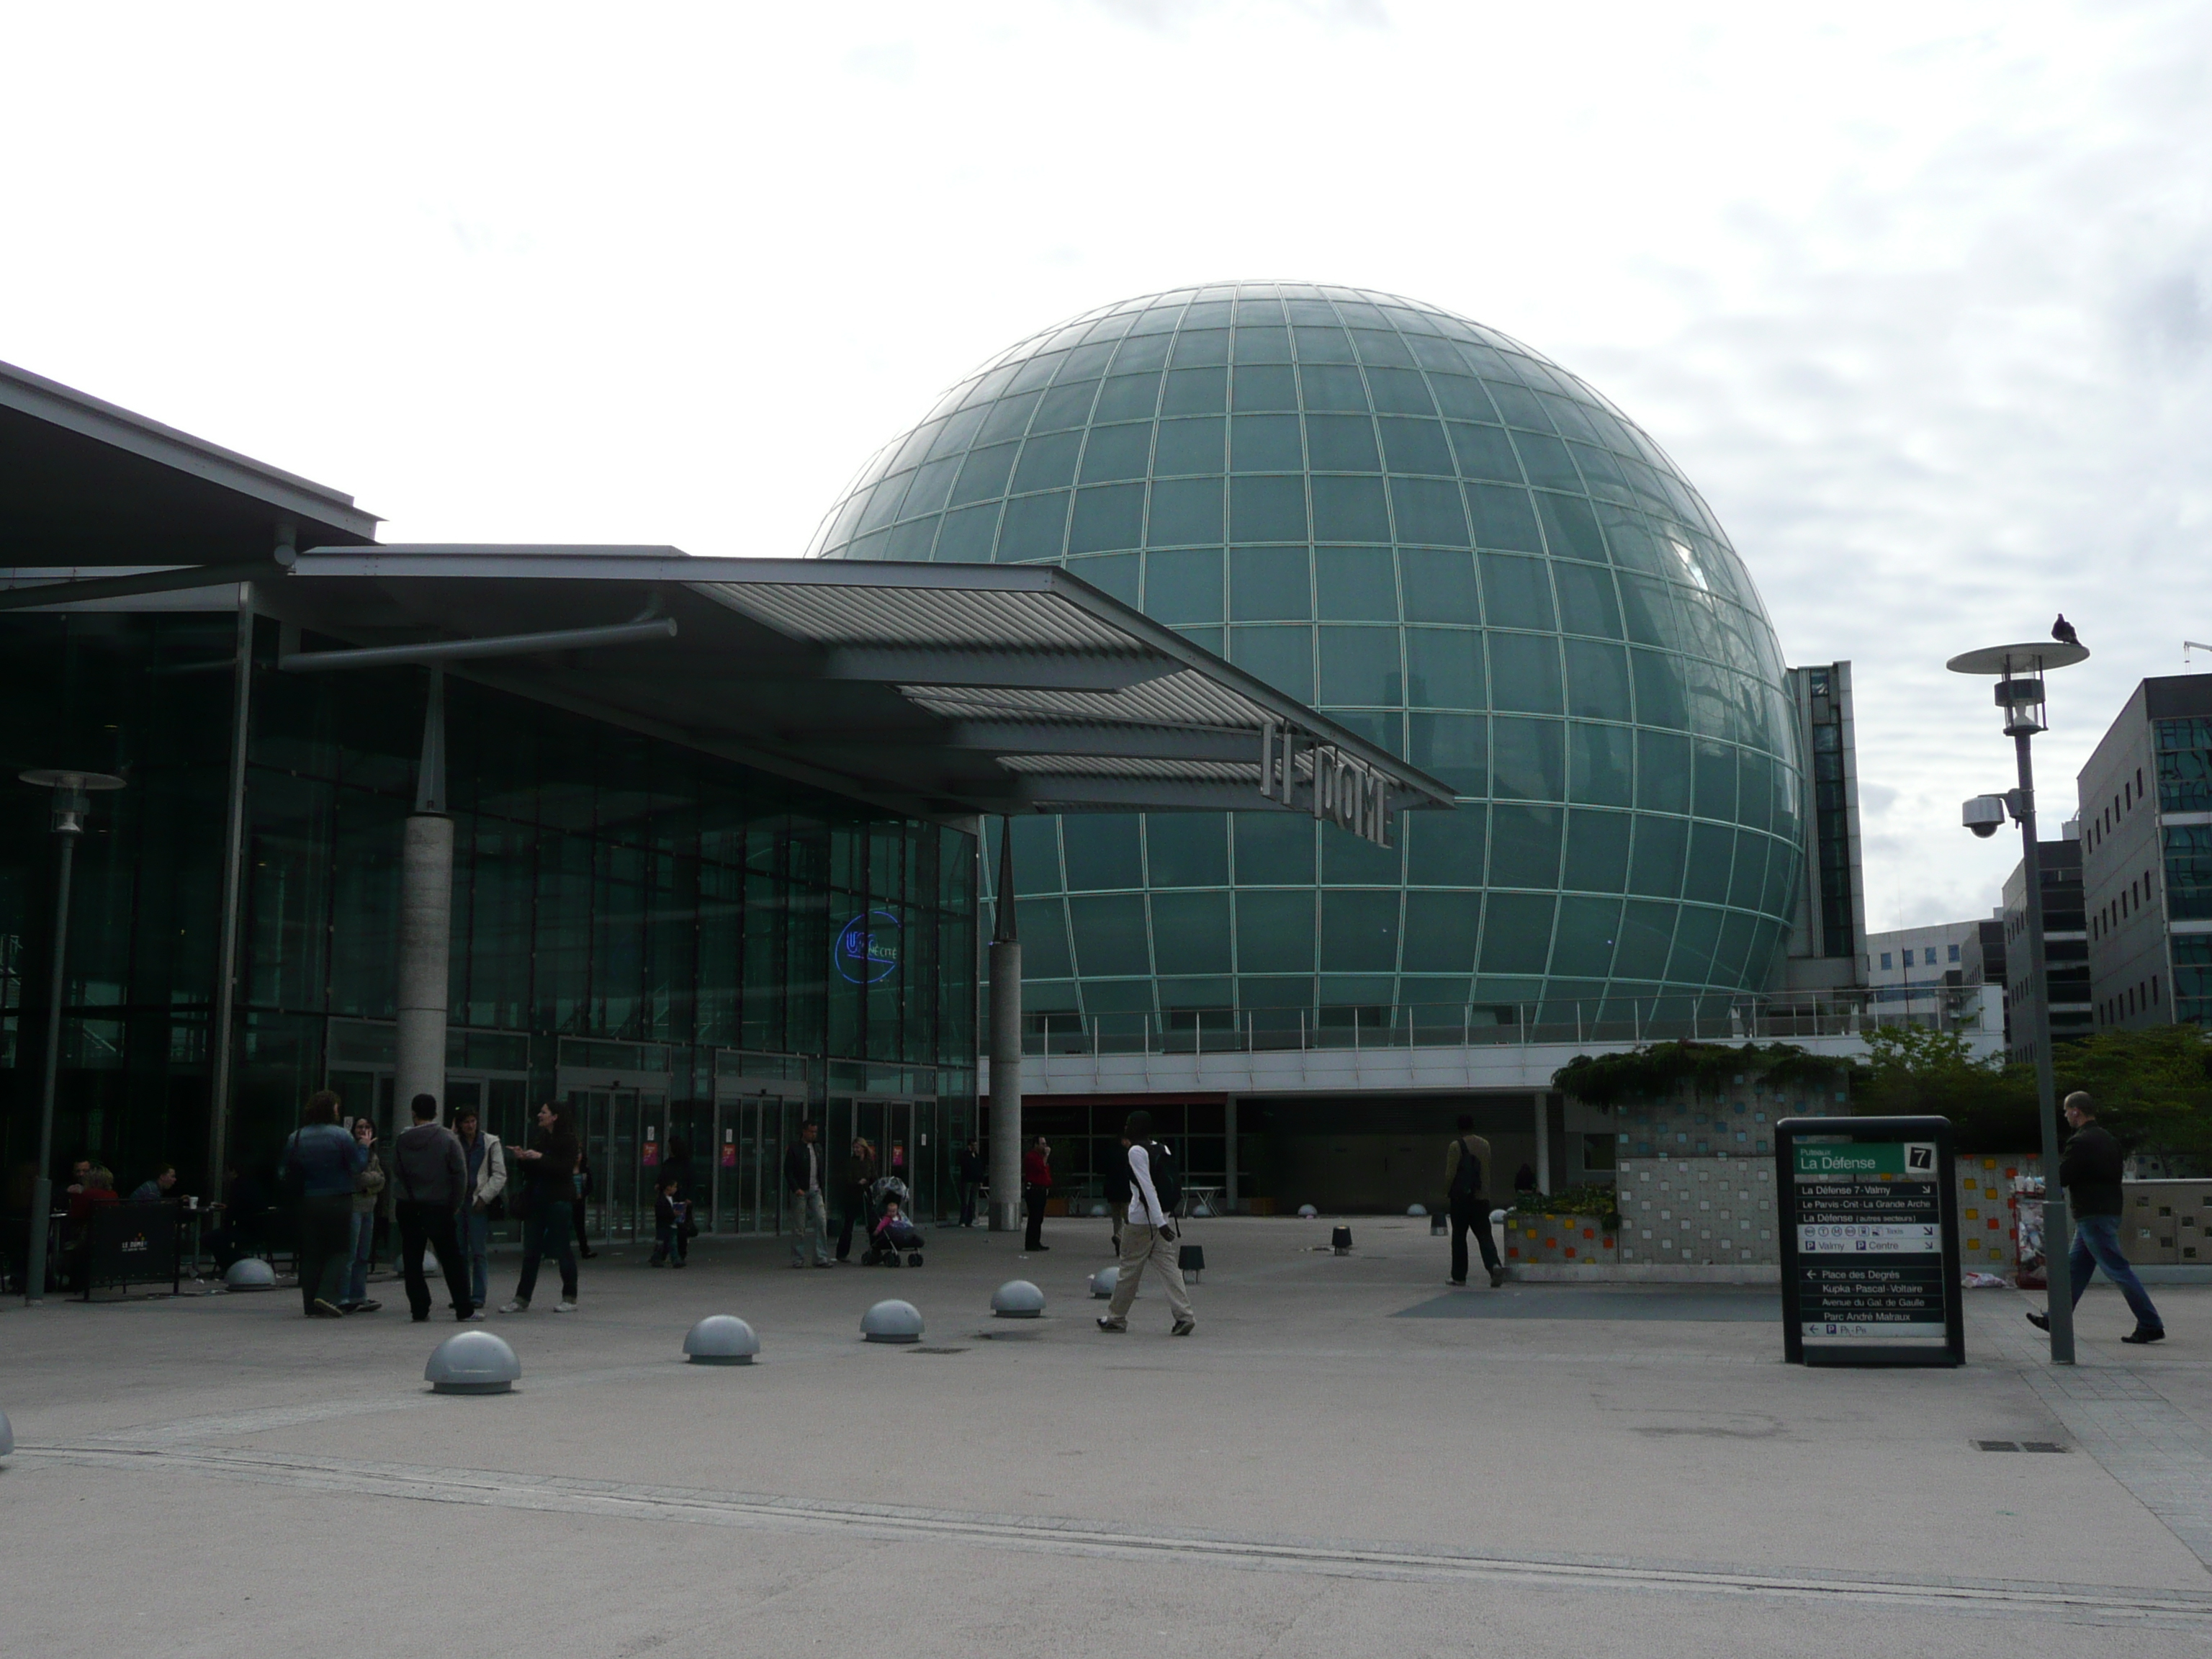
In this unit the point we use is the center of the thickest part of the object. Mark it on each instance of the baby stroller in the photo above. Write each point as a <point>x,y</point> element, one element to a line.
<point>892,1233</point>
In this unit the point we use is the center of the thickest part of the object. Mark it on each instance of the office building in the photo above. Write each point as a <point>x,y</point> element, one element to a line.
<point>1827,948</point>
<point>2065,945</point>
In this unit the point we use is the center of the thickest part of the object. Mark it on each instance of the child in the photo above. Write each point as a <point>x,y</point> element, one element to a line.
<point>671,1217</point>
<point>894,1232</point>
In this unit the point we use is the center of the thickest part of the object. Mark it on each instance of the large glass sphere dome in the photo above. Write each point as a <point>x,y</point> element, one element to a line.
<point>1448,543</point>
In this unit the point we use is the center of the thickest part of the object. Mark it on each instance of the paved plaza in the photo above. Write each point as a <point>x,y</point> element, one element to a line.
<point>1347,1458</point>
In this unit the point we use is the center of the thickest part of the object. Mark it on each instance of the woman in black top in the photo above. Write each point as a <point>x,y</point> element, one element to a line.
<point>549,1164</point>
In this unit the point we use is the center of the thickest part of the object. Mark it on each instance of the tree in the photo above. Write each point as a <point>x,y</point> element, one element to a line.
<point>2152,1085</point>
<point>1914,1070</point>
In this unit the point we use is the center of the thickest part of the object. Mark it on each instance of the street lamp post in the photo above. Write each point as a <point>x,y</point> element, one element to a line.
<point>72,800</point>
<point>2019,669</point>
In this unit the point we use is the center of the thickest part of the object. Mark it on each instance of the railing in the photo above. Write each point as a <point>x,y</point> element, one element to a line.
<point>1768,1018</point>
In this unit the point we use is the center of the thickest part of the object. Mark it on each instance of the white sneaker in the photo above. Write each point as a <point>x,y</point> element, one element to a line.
<point>564,1307</point>
<point>516,1307</point>
<point>476,1313</point>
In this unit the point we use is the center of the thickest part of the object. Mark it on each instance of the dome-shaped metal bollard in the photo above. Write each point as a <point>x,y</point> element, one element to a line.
<point>249,1272</point>
<point>720,1339</point>
<point>1103,1281</point>
<point>7,1436</point>
<point>1417,1209</point>
<point>892,1321</point>
<point>1017,1299</point>
<point>1307,1213</point>
<point>474,1362</point>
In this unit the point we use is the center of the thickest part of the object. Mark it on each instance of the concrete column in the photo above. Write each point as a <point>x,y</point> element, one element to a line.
<point>1006,1046</point>
<point>426,925</point>
<point>1543,1142</point>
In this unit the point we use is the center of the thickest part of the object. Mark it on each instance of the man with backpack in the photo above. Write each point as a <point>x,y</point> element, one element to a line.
<point>1148,1235</point>
<point>1466,1160</point>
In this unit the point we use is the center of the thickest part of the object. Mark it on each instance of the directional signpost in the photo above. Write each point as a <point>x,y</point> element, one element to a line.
<point>1870,1241</point>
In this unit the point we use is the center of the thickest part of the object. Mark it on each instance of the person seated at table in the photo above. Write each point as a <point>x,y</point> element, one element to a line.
<point>98,1195</point>
<point>156,1187</point>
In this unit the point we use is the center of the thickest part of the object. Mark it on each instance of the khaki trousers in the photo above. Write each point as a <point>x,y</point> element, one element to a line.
<point>1142,1246</point>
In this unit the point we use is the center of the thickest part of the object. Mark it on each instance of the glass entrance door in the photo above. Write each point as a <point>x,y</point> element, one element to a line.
<point>611,1123</point>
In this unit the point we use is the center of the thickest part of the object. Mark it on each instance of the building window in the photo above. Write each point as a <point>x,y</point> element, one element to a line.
<point>1885,958</point>
<point>1954,953</point>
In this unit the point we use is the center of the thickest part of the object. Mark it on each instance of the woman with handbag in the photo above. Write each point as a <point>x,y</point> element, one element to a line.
<point>549,1164</point>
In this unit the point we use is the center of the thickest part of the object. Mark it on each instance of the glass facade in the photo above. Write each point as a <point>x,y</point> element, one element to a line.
<point>1448,544</point>
<point>621,904</point>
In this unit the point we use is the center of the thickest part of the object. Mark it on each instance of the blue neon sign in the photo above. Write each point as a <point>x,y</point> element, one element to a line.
<point>868,949</point>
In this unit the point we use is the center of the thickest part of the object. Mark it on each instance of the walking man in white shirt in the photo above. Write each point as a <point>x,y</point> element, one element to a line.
<point>1148,1237</point>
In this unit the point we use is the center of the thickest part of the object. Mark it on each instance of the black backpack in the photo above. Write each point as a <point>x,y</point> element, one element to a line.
<point>1167,1177</point>
<point>1467,1180</point>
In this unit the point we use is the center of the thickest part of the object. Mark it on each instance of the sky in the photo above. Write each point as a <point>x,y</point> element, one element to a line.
<point>1920,296</point>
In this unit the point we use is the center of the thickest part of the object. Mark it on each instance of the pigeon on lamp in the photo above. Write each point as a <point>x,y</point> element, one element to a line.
<point>2063,631</point>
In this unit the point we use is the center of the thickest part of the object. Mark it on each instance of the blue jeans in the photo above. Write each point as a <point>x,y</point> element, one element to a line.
<point>2097,1244</point>
<point>549,1230</point>
<point>476,1245</point>
<point>356,1280</point>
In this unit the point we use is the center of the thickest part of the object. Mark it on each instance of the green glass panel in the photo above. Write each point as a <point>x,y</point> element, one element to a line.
<point>1342,443</point>
<point>1712,859</point>
<point>985,473</point>
<point>1439,586</point>
<point>1258,388</point>
<point>1428,512</point>
<point>1108,516</point>
<point>1115,452</point>
<point>1524,673</point>
<point>1647,933</point>
<point>1587,605</point>
<point>1325,385</point>
<point>1323,345</point>
<point>1035,527</point>
<point>1128,397</point>
<point>1697,934</point>
<point>1517,933</point>
<point>1184,511</point>
<point>1110,935</point>
<point>1415,445</point>
<point>1587,931</point>
<point>1102,850</point>
<point>1453,749</point>
<point>1269,584</point>
<point>1483,452</point>
<point>1065,405</point>
<point>912,541</point>
<point>1043,925</point>
<point>1262,344</point>
<point>1008,418</point>
<point>1381,728</point>
<point>1446,850</point>
<point>1527,758</point>
<point>1350,509</point>
<point>930,487</point>
<point>1503,518</point>
<point>1400,391</point>
<point>1347,859</point>
<point>1463,397</point>
<point>1188,447</point>
<point>1716,781</point>
<point>1440,932</point>
<point>1444,668</point>
<point>1524,846</point>
<point>1359,667</point>
<point>1754,789</point>
<point>1356,584</point>
<point>1732,956</point>
<point>1200,345</point>
<point>1516,593</point>
<point>1597,851</point>
<point>1265,443</point>
<point>1282,656</point>
<point>1263,509</point>
<point>1597,680</point>
<point>967,536</point>
<point>1381,347</point>
<point>1275,930</point>
<point>1273,848</point>
<point>1570,527</point>
<point>1600,764</point>
<point>1191,931</point>
<point>1545,461</point>
<point>1747,887</point>
<point>1660,845</point>
<point>1359,930</point>
<point>1183,585</point>
<point>1661,697</point>
<point>1195,391</point>
<point>1187,849</point>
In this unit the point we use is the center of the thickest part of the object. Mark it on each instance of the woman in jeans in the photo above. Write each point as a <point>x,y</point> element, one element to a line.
<point>549,1164</point>
<point>366,1187</point>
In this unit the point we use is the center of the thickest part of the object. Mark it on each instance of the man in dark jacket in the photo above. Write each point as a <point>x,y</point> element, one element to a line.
<point>2090,1172</point>
<point>1036,1189</point>
<point>430,1178</point>
<point>973,1175</point>
<point>320,1162</point>
<point>1466,1165</point>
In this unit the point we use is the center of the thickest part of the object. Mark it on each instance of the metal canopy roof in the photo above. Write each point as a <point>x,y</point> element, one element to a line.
<point>936,690</point>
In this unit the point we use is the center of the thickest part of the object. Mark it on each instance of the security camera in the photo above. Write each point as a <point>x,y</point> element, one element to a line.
<point>1984,815</point>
